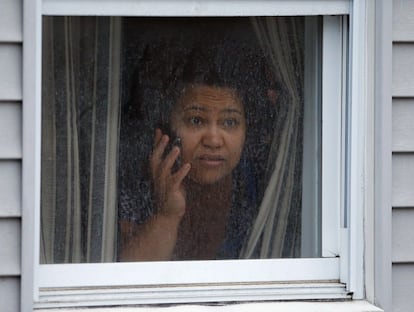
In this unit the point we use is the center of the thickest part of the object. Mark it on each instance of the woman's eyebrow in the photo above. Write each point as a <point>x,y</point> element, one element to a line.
<point>232,111</point>
<point>204,109</point>
<point>194,107</point>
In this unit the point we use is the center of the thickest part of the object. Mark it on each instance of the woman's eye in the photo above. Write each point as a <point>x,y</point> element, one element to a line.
<point>195,121</point>
<point>230,123</point>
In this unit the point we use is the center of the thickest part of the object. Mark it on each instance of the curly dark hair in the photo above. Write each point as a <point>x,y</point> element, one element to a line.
<point>165,67</point>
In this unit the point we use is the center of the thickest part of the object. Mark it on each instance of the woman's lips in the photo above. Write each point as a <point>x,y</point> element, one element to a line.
<point>211,160</point>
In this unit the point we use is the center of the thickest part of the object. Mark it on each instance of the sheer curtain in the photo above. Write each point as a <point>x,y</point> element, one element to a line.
<point>277,229</point>
<point>80,121</point>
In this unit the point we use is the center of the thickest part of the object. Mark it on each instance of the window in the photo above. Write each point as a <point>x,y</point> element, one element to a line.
<point>98,137</point>
<point>196,281</point>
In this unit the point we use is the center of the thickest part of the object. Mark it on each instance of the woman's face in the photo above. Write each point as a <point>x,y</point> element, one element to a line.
<point>211,124</point>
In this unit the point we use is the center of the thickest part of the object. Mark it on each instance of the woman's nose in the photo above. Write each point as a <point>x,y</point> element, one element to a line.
<point>212,137</point>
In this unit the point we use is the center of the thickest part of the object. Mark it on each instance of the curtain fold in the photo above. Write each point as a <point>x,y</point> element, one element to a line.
<point>276,230</point>
<point>80,123</point>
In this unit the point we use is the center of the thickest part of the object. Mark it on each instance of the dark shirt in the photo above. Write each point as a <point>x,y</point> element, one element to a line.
<point>136,205</point>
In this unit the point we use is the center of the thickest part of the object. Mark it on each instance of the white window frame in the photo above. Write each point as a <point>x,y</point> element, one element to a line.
<point>320,277</point>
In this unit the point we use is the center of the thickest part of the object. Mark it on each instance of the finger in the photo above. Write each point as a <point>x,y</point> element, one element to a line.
<point>158,151</point>
<point>157,137</point>
<point>169,161</point>
<point>165,176</point>
<point>181,174</point>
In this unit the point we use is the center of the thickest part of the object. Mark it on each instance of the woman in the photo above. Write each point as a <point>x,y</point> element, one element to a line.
<point>203,191</point>
<point>193,204</point>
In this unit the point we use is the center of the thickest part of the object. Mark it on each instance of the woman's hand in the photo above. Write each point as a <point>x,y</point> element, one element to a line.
<point>169,190</point>
<point>156,238</point>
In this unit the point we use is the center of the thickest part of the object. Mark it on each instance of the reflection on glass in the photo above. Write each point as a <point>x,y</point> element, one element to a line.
<point>182,141</point>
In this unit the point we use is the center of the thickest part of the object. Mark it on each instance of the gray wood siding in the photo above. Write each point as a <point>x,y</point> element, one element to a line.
<point>403,156</point>
<point>403,125</point>
<point>402,70</point>
<point>403,235</point>
<point>9,294</point>
<point>11,25</point>
<point>403,287</point>
<point>11,20</point>
<point>10,188</point>
<point>403,179</point>
<point>11,130</point>
<point>11,71</point>
<point>403,21</point>
<point>10,247</point>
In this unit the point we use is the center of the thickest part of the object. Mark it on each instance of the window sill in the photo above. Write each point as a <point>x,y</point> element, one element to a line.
<point>341,306</point>
<point>194,294</point>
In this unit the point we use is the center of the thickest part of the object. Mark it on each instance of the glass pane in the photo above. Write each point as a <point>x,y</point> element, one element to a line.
<point>178,138</point>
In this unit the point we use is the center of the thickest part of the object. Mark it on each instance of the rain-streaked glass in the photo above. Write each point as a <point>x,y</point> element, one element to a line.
<point>228,93</point>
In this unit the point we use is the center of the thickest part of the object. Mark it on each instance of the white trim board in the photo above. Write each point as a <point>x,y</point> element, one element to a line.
<point>186,272</point>
<point>195,7</point>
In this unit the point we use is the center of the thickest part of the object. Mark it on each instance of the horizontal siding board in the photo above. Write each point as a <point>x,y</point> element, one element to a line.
<point>403,235</point>
<point>402,287</point>
<point>403,21</point>
<point>10,130</point>
<point>9,294</point>
<point>403,125</point>
<point>10,188</point>
<point>10,247</point>
<point>11,72</point>
<point>403,180</point>
<point>403,70</point>
<point>403,164</point>
<point>11,30</point>
<point>11,25</point>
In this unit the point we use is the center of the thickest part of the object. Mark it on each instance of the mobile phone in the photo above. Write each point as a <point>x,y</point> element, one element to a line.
<point>174,140</point>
